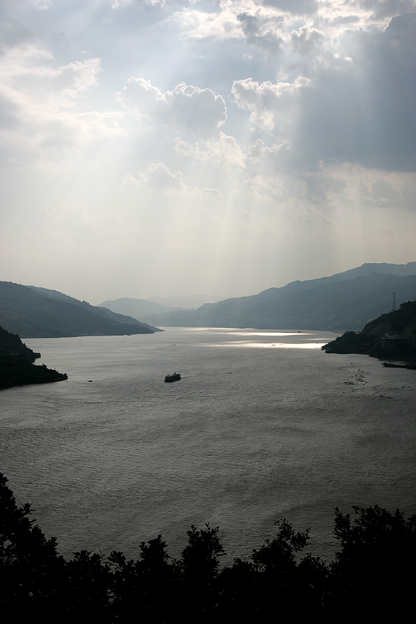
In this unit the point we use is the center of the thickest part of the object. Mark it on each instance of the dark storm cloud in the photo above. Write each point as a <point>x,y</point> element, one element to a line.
<point>365,112</point>
<point>357,106</point>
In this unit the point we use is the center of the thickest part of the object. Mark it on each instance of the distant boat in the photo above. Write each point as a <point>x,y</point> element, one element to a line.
<point>174,377</point>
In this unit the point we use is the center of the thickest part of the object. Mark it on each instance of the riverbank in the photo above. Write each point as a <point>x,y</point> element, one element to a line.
<point>16,364</point>
<point>14,373</point>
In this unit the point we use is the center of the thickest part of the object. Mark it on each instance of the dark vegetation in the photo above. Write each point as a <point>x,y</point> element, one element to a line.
<point>400,322</point>
<point>40,313</point>
<point>372,576</point>
<point>16,364</point>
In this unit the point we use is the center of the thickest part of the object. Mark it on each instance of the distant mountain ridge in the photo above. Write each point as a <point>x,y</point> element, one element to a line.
<point>189,302</point>
<point>136,308</point>
<point>144,309</point>
<point>33,312</point>
<point>382,268</point>
<point>342,301</point>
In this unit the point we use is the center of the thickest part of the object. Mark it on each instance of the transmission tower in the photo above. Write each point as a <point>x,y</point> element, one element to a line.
<point>394,302</point>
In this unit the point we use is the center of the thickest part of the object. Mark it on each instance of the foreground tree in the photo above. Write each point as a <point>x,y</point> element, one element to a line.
<point>374,572</point>
<point>373,575</point>
<point>31,571</point>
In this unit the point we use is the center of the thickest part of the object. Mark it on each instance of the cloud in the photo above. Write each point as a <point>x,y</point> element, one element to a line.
<point>268,189</point>
<point>185,109</point>
<point>222,152</point>
<point>357,107</point>
<point>382,193</point>
<point>43,4</point>
<point>363,110</point>
<point>387,8</point>
<point>271,104</point>
<point>158,176</point>
<point>306,41</point>
<point>212,194</point>
<point>297,7</point>
<point>264,38</point>
<point>39,113</point>
<point>160,179</point>
<point>220,24</point>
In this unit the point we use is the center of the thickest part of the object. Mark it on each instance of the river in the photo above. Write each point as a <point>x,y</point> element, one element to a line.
<point>263,425</point>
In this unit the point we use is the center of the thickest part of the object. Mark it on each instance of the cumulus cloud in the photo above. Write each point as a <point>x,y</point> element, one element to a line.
<point>186,108</point>
<point>211,193</point>
<point>271,104</point>
<point>219,24</point>
<point>160,177</point>
<point>267,24</point>
<point>307,41</point>
<point>221,152</point>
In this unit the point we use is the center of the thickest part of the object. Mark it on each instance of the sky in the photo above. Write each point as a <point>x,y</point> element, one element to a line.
<point>156,147</point>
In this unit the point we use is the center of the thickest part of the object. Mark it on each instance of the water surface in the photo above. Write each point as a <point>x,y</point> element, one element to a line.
<point>262,425</point>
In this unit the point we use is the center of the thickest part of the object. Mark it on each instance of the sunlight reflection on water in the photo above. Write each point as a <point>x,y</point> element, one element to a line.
<point>268,345</point>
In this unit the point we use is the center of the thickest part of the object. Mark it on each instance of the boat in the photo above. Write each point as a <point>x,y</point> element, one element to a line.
<point>174,377</point>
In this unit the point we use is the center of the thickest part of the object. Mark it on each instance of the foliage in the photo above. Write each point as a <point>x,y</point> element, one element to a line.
<point>373,575</point>
<point>16,368</point>
<point>351,342</point>
<point>374,571</point>
<point>36,313</point>
<point>397,321</point>
<point>402,321</point>
<point>11,345</point>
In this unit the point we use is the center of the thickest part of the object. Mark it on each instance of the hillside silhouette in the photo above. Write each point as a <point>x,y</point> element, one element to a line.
<point>34,312</point>
<point>340,302</point>
<point>16,364</point>
<point>390,336</point>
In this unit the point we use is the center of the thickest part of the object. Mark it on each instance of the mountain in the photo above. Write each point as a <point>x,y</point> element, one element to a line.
<point>186,303</point>
<point>137,308</point>
<point>144,309</point>
<point>390,336</point>
<point>343,301</point>
<point>16,364</point>
<point>33,312</point>
<point>382,268</point>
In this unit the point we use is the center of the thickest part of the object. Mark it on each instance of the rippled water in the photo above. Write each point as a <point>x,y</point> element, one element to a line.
<point>263,425</point>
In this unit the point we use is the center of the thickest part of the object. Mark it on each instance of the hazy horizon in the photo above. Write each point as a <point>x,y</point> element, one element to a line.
<point>172,148</point>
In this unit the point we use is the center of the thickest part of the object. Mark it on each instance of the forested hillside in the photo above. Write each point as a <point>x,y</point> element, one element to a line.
<point>16,364</point>
<point>40,313</point>
<point>401,322</point>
